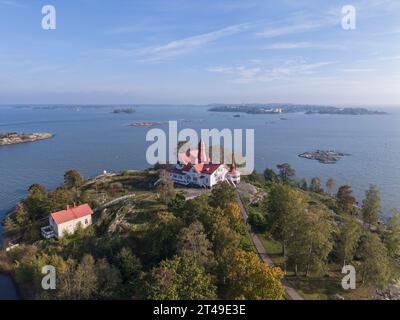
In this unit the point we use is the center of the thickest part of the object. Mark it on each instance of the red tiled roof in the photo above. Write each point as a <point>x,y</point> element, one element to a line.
<point>71,214</point>
<point>205,168</point>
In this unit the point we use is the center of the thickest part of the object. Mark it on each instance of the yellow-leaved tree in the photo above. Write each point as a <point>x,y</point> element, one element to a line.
<point>250,278</point>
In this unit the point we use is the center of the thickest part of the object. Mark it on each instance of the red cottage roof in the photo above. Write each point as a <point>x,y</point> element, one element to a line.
<point>71,214</point>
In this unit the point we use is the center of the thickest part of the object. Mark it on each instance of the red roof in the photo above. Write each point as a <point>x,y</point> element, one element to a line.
<point>206,168</point>
<point>71,214</point>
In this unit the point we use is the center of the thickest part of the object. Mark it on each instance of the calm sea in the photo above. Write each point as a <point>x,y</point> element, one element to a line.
<point>94,140</point>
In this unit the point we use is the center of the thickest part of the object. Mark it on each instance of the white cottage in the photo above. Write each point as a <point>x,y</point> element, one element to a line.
<point>67,221</point>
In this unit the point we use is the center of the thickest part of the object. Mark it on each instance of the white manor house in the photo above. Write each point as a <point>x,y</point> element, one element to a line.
<point>194,168</point>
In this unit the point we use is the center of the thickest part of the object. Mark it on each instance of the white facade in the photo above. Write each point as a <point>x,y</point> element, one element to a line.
<point>202,179</point>
<point>69,227</point>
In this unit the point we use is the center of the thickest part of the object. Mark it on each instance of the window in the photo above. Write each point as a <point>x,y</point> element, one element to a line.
<point>86,221</point>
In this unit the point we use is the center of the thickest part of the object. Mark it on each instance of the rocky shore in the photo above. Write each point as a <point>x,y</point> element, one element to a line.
<point>16,138</point>
<point>323,156</point>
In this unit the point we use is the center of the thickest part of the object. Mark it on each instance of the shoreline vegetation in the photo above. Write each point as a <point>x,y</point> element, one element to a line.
<point>17,138</point>
<point>289,108</point>
<point>152,245</point>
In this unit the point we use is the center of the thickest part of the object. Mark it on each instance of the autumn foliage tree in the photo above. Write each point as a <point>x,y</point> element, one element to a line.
<point>250,278</point>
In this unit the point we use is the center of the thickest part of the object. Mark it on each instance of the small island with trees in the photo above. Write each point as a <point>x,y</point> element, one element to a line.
<point>124,111</point>
<point>16,138</point>
<point>324,156</point>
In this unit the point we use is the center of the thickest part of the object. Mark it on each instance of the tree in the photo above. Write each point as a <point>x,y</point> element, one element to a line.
<point>303,184</point>
<point>371,206</point>
<point>349,235</point>
<point>346,200</point>
<point>286,172</point>
<point>129,265</point>
<point>315,185</point>
<point>194,245</point>
<point>85,282</point>
<point>108,279</point>
<point>160,241</point>
<point>331,185</point>
<point>250,278</point>
<point>392,234</point>
<point>270,176</point>
<point>375,263</point>
<point>310,241</point>
<point>16,222</point>
<point>258,221</point>
<point>73,179</point>
<point>36,201</point>
<point>225,240</point>
<point>285,207</point>
<point>222,195</point>
<point>59,199</point>
<point>234,214</point>
<point>180,279</point>
<point>165,187</point>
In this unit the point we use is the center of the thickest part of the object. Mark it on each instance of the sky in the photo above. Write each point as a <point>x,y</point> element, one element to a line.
<point>200,52</point>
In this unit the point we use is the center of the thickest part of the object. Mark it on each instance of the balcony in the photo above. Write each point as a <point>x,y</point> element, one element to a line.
<point>47,232</point>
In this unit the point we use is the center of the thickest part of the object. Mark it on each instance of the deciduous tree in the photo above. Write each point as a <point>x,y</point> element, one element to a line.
<point>250,278</point>
<point>371,206</point>
<point>346,200</point>
<point>286,172</point>
<point>392,234</point>
<point>375,264</point>
<point>350,231</point>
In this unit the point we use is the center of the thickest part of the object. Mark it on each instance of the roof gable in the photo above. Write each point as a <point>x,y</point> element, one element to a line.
<point>71,214</point>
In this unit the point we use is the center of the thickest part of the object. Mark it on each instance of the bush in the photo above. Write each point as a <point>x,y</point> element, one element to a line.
<point>258,221</point>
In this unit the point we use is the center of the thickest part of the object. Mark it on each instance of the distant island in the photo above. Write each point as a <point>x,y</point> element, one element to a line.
<point>327,156</point>
<point>124,110</point>
<point>16,138</point>
<point>147,123</point>
<point>289,108</point>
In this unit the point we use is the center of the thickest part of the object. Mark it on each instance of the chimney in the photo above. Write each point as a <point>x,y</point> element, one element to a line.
<point>67,207</point>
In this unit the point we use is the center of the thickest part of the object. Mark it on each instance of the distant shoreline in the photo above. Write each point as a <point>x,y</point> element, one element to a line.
<point>285,108</point>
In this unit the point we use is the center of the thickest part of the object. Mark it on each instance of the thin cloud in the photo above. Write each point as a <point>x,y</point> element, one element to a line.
<point>287,30</point>
<point>358,70</point>
<point>11,3</point>
<point>300,45</point>
<point>178,47</point>
<point>287,70</point>
<point>392,58</point>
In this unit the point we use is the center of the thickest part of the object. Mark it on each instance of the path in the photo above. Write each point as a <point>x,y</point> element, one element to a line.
<point>290,291</point>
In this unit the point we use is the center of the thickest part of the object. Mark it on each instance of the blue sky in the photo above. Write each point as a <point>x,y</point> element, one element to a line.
<point>200,51</point>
